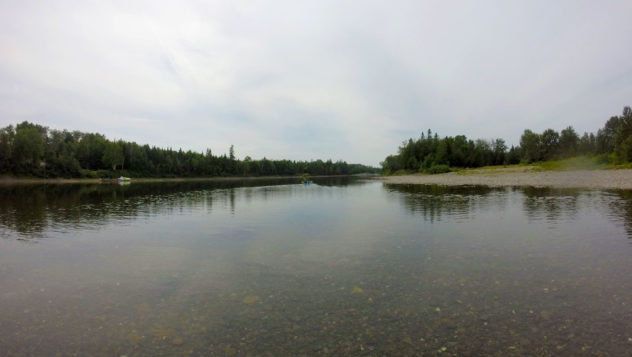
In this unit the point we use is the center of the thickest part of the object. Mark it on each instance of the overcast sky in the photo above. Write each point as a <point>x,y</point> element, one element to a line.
<point>313,79</point>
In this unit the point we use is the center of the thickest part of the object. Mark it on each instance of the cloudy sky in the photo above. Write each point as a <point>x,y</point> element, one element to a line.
<point>313,79</point>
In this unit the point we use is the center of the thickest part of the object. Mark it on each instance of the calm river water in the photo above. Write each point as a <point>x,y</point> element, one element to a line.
<point>340,267</point>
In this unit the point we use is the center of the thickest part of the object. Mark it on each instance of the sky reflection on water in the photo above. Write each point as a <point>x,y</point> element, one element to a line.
<point>342,267</point>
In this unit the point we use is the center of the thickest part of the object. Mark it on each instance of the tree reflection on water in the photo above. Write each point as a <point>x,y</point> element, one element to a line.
<point>550,205</point>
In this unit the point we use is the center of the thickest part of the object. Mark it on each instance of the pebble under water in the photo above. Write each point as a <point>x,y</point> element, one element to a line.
<point>340,267</point>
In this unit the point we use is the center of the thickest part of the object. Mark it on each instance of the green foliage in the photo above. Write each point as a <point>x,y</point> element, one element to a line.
<point>30,149</point>
<point>6,149</point>
<point>90,149</point>
<point>113,156</point>
<point>531,145</point>
<point>568,143</point>
<point>612,143</point>
<point>622,143</point>
<point>624,151</point>
<point>438,169</point>
<point>549,144</point>
<point>607,136</point>
<point>512,157</point>
<point>89,173</point>
<point>429,150</point>
<point>587,144</point>
<point>604,159</point>
<point>584,162</point>
<point>231,152</point>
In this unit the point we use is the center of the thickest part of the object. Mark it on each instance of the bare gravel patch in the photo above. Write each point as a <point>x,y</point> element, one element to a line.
<point>605,179</point>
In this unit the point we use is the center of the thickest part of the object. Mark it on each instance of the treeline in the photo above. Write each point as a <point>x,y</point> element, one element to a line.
<point>35,150</point>
<point>432,154</point>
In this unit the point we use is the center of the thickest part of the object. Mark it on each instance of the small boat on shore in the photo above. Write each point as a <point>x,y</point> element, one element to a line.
<point>120,180</point>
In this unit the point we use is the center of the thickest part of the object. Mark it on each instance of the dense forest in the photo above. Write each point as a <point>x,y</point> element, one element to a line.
<point>34,150</point>
<point>433,154</point>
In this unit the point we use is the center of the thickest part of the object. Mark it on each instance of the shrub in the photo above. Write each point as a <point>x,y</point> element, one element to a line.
<point>604,159</point>
<point>624,153</point>
<point>89,174</point>
<point>438,169</point>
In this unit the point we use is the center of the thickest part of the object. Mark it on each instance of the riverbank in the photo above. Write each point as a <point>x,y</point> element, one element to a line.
<point>10,180</point>
<point>522,176</point>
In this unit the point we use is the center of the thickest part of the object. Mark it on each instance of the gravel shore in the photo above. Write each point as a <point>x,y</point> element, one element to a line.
<point>604,179</point>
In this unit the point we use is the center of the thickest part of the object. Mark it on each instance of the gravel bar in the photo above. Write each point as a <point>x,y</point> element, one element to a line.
<point>602,179</point>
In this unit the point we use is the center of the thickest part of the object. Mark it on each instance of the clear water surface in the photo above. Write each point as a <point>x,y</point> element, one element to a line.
<point>340,267</point>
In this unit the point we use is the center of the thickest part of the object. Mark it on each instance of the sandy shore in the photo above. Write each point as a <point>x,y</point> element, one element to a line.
<point>604,179</point>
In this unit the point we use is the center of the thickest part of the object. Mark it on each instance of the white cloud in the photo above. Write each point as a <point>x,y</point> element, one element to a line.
<point>340,80</point>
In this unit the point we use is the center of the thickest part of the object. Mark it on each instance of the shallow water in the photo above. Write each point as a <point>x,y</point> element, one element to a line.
<point>340,267</point>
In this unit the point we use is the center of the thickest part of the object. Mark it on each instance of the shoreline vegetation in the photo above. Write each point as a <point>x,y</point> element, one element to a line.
<point>31,150</point>
<point>13,180</point>
<point>610,147</point>
<point>548,159</point>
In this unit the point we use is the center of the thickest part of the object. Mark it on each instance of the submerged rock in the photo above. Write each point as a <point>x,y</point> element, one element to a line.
<point>250,299</point>
<point>357,290</point>
<point>134,338</point>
